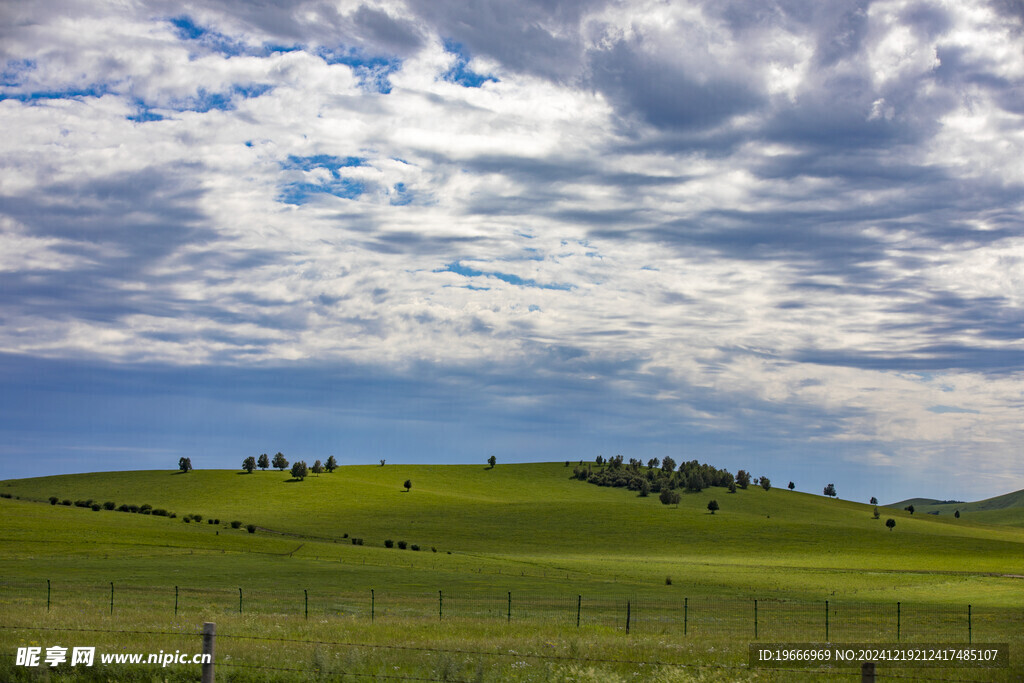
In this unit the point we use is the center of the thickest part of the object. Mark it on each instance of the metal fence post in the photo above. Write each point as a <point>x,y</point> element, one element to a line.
<point>111,597</point>
<point>755,618</point>
<point>627,616</point>
<point>970,634</point>
<point>898,621</point>
<point>209,636</point>
<point>440,606</point>
<point>47,595</point>
<point>826,621</point>
<point>686,614</point>
<point>371,605</point>
<point>175,601</point>
<point>305,594</point>
<point>510,607</point>
<point>239,599</point>
<point>579,603</point>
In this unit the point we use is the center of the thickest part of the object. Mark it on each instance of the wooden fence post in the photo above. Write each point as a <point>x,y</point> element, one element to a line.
<point>209,636</point>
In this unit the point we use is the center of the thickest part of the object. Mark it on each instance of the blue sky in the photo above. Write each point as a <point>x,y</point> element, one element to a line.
<point>787,240</point>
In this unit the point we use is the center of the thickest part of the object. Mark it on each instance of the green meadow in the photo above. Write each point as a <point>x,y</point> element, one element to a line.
<point>522,541</point>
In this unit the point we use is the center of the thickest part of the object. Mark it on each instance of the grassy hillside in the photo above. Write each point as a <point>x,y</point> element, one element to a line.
<point>1005,509</point>
<point>531,524</point>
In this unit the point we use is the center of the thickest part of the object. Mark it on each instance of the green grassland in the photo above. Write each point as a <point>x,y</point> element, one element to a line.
<point>528,530</point>
<point>530,522</point>
<point>1006,509</point>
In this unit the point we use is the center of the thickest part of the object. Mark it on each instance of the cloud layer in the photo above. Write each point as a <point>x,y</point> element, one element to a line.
<point>796,229</point>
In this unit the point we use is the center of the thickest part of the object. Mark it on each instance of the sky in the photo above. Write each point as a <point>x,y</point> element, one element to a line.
<point>783,236</point>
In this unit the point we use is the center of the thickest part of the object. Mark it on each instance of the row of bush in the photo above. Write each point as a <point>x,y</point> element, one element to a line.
<point>402,545</point>
<point>145,509</point>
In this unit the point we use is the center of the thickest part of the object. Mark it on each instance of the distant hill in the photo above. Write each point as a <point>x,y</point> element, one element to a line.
<point>1005,509</point>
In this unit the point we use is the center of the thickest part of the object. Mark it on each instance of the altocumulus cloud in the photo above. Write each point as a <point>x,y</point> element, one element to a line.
<point>786,238</point>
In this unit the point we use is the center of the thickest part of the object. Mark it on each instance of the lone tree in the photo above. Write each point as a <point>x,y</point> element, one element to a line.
<point>318,467</point>
<point>331,464</point>
<point>732,487</point>
<point>874,501</point>
<point>185,464</point>
<point>280,462</point>
<point>957,514</point>
<point>492,461</point>
<point>249,464</point>
<point>669,497</point>
<point>890,523</point>
<point>264,461</point>
<point>830,490</point>
<point>300,470</point>
<point>792,486</point>
<point>407,485</point>
<point>875,515</point>
<point>910,509</point>
<point>382,462</point>
<point>766,483</point>
<point>712,506</point>
<point>743,479</point>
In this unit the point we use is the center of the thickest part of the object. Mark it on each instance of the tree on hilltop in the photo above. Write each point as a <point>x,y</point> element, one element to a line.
<point>830,491</point>
<point>492,461</point>
<point>331,464</point>
<point>910,509</point>
<point>318,467</point>
<point>792,486</point>
<point>280,462</point>
<point>249,464</point>
<point>743,479</point>
<point>874,501</point>
<point>185,464</point>
<point>766,483</point>
<point>300,470</point>
<point>264,461</point>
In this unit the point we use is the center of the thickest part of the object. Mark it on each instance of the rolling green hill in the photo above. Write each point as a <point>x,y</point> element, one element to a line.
<point>528,523</point>
<point>1005,509</point>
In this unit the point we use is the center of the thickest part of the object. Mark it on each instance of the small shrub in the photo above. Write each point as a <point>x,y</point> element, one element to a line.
<point>160,512</point>
<point>54,500</point>
<point>344,535</point>
<point>96,507</point>
<point>236,524</point>
<point>173,515</point>
<point>209,521</point>
<point>145,508</point>
<point>216,521</point>
<point>109,505</point>
<point>433,550</point>
<point>414,547</point>
<point>133,508</point>
<point>389,543</point>
<point>357,541</point>
<point>668,580</point>
<point>81,504</point>
<point>123,507</point>
<point>449,552</point>
<point>66,501</point>
<point>402,545</point>
<point>198,518</point>
<point>251,528</point>
<point>186,519</point>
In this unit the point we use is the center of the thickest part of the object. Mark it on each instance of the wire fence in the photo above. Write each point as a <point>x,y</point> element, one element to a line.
<point>750,618</point>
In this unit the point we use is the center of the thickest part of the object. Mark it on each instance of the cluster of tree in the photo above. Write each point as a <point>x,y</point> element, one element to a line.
<point>299,469</point>
<point>662,476</point>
